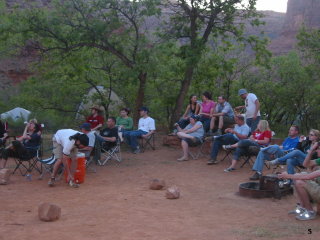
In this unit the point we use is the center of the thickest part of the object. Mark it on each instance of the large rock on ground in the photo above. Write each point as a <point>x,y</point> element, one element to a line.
<point>49,212</point>
<point>5,176</point>
<point>157,184</point>
<point>173,192</point>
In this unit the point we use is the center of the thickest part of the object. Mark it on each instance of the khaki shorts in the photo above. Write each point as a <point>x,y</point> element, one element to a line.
<point>313,189</point>
<point>58,151</point>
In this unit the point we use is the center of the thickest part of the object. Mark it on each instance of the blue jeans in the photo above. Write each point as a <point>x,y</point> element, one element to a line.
<point>253,123</point>
<point>228,138</point>
<point>264,154</point>
<point>183,123</point>
<point>131,137</point>
<point>206,123</point>
<point>294,158</point>
<point>243,147</point>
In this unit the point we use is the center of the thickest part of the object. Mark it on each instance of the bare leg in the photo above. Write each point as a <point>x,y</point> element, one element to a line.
<point>56,167</point>
<point>212,123</point>
<point>233,163</point>
<point>303,195</point>
<point>185,149</point>
<point>68,169</point>
<point>3,163</point>
<point>184,135</point>
<point>220,122</point>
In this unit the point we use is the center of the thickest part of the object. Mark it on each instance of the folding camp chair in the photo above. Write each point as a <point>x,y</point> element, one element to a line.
<point>147,142</point>
<point>198,147</point>
<point>27,164</point>
<point>47,167</point>
<point>108,154</point>
<point>248,156</point>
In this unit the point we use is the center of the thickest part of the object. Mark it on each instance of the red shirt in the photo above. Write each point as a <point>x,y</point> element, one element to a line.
<point>95,121</point>
<point>257,135</point>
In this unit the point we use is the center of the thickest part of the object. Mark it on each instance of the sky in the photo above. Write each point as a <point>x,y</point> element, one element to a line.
<point>275,5</point>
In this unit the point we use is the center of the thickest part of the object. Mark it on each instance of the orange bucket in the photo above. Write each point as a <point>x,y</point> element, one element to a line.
<point>80,172</point>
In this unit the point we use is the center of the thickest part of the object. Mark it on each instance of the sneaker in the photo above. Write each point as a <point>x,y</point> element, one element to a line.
<point>137,151</point>
<point>218,133</point>
<point>51,182</point>
<point>297,210</point>
<point>226,147</point>
<point>212,161</point>
<point>255,176</point>
<point>182,159</point>
<point>306,215</point>
<point>73,184</point>
<point>229,169</point>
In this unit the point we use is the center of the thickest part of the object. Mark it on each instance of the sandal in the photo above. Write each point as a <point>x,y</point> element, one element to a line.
<point>73,184</point>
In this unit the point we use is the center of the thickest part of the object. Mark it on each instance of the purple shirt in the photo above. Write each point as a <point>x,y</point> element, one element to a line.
<point>206,106</point>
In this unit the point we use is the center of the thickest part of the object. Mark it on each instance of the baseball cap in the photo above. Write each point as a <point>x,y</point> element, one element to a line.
<point>242,91</point>
<point>86,126</point>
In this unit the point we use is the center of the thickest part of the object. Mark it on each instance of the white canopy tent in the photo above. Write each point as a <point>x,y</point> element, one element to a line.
<point>16,114</point>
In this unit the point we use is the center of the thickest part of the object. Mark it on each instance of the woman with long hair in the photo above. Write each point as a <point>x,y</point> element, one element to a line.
<point>193,108</point>
<point>261,137</point>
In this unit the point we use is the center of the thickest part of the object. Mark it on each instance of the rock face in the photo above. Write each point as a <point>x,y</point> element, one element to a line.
<point>157,184</point>
<point>299,13</point>
<point>5,176</point>
<point>49,212</point>
<point>173,192</point>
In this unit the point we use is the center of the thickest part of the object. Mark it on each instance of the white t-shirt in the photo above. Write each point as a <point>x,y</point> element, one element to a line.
<point>62,138</point>
<point>250,105</point>
<point>146,124</point>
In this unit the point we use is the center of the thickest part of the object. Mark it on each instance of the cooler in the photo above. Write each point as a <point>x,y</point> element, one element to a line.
<point>80,171</point>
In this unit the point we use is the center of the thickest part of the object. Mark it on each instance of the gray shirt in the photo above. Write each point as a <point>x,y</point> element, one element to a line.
<point>243,130</point>
<point>225,108</point>
<point>197,133</point>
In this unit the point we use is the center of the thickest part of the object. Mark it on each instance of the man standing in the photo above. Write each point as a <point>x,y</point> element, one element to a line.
<point>288,144</point>
<point>224,113</point>
<point>66,143</point>
<point>240,131</point>
<point>252,106</point>
<point>146,127</point>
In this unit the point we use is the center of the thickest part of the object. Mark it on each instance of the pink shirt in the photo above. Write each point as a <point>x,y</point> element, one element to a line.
<point>206,106</point>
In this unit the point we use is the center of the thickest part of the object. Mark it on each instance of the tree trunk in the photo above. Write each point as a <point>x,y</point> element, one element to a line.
<point>182,94</point>
<point>140,97</point>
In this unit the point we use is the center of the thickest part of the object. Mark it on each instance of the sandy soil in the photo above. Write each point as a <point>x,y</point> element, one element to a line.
<point>116,203</point>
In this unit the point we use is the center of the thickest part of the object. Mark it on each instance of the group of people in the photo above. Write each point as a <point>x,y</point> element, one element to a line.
<point>249,131</point>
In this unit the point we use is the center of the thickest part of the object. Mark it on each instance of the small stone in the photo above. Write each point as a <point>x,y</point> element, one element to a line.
<point>157,184</point>
<point>173,192</point>
<point>5,176</point>
<point>49,212</point>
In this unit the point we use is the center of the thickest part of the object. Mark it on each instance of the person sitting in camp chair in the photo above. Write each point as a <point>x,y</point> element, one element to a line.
<point>146,128</point>
<point>233,135</point>
<point>25,146</point>
<point>108,136</point>
<point>191,134</point>
<point>86,129</point>
<point>307,186</point>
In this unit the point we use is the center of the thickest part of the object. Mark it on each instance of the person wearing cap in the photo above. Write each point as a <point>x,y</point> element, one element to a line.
<point>95,119</point>
<point>146,127</point>
<point>240,131</point>
<point>252,106</point>
<point>66,143</point>
<point>86,129</point>
<point>191,134</point>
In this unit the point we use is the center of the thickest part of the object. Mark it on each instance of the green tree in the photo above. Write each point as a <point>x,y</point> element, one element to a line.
<point>109,28</point>
<point>194,23</point>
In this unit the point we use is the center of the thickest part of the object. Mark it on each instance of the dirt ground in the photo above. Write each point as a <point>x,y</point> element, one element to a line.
<point>116,203</point>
